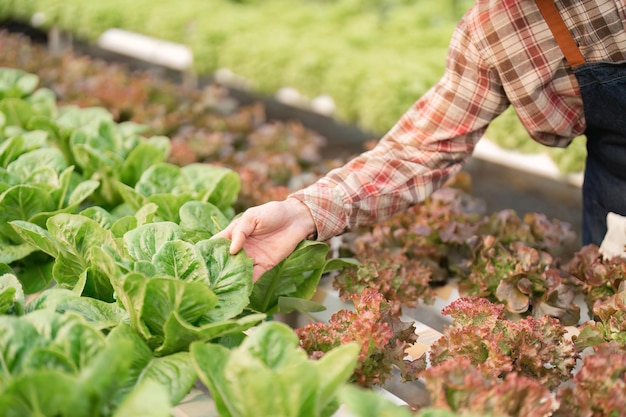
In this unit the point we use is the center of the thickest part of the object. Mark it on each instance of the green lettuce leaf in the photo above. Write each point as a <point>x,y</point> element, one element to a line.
<point>170,187</point>
<point>33,394</point>
<point>147,153</point>
<point>145,241</point>
<point>230,278</point>
<point>296,276</point>
<point>15,146</point>
<point>169,313</point>
<point>10,252</point>
<point>217,185</point>
<point>98,313</point>
<point>22,202</point>
<point>61,365</point>
<point>148,399</point>
<point>181,260</point>
<point>201,220</point>
<point>74,241</point>
<point>17,112</point>
<point>12,299</point>
<point>17,83</point>
<point>269,374</point>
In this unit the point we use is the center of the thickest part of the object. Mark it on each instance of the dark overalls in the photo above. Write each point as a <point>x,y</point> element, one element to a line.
<point>603,90</point>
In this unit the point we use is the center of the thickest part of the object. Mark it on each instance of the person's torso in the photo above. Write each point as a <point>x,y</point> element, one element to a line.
<point>515,41</point>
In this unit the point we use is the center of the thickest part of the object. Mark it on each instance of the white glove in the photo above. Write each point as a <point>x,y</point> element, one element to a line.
<point>614,243</point>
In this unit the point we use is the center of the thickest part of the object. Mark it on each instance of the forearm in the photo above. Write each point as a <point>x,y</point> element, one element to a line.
<point>379,184</point>
<point>430,142</point>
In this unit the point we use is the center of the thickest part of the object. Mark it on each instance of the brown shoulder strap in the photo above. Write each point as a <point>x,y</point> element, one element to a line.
<point>562,35</point>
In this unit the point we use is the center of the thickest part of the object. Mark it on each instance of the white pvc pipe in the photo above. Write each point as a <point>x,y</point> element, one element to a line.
<point>167,54</point>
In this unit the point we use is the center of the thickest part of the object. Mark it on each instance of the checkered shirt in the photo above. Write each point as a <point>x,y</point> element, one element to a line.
<point>501,54</point>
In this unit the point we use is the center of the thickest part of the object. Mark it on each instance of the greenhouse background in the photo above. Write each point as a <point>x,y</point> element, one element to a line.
<point>133,131</point>
<point>372,58</point>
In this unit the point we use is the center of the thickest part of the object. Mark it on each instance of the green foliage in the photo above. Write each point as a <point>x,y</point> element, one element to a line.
<point>343,49</point>
<point>296,276</point>
<point>138,278</point>
<point>145,256</point>
<point>92,374</point>
<point>73,242</point>
<point>269,374</point>
<point>99,314</point>
<point>170,187</point>
<point>11,294</point>
<point>17,83</point>
<point>151,250</point>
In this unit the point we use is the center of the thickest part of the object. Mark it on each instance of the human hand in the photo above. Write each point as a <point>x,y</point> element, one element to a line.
<point>269,232</point>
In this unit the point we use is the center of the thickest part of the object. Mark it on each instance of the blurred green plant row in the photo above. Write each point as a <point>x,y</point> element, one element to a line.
<point>373,57</point>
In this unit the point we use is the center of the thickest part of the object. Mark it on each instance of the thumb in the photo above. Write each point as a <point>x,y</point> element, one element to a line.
<point>241,230</point>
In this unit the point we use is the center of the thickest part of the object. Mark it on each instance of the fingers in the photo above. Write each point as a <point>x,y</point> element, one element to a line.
<point>233,232</point>
<point>223,234</point>
<point>228,230</point>
<point>240,230</point>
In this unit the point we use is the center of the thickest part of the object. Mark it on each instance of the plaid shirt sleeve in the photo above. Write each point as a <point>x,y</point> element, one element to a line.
<point>502,53</point>
<point>429,143</point>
